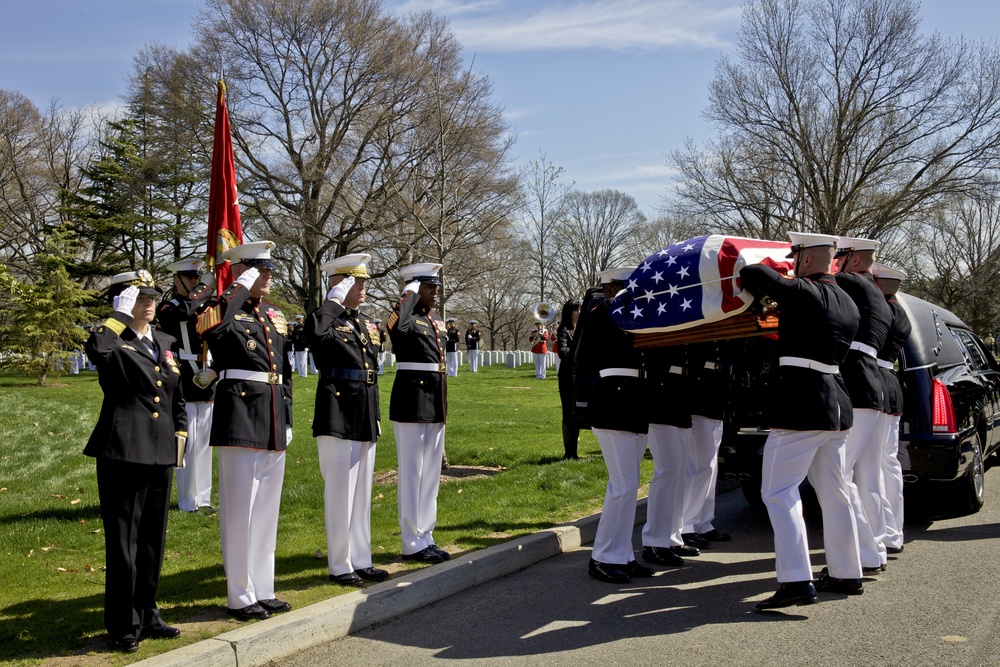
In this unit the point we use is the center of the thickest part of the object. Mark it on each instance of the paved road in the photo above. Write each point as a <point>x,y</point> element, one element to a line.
<point>937,604</point>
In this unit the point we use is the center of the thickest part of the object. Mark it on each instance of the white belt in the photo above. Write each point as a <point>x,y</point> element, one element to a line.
<point>677,370</point>
<point>623,372</point>
<point>419,366</point>
<point>187,356</point>
<point>712,365</point>
<point>882,363</point>
<point>866,349</point>
<point>252,376</point>
<point>808,363</point>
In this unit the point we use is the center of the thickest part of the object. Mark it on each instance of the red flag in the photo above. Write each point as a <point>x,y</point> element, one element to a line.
<point>224,228</point>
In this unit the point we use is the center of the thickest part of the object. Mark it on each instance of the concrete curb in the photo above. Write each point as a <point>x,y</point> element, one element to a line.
<point>260,643</point>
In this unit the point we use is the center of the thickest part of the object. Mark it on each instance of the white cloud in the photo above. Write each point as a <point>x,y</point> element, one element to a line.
<point>490,25</point>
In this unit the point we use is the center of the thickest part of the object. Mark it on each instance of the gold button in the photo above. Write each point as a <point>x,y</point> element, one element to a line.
<point>156,399</point>
<point>274,367</point>
<point>243,393</point>
<point>272,353</point>
<point>269,341</point>
<point>336,393</point>
<point>247,330</point>
<point>366,364</point>
<point>156,415</point>
<point>156,368</point>
<point>159,383</point>
<point>421,382</point>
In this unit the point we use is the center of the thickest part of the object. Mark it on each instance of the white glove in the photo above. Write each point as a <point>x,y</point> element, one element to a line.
<point>248,277</point>
<point>411,287</point>
<point>125,302</point>
<point>339,291</point>
<point>288,435</point>
<point>204,377</point>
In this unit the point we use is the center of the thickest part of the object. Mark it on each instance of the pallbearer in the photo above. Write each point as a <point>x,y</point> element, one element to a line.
<point>345,344</point>
<point>811,419</point>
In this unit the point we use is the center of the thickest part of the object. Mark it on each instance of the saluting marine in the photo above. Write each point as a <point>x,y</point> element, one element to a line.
<point>345,343</point>
<point>251,427</point>
<point>178,316</point>
<point>472,338</point>
<point>141,427</point>
<point>811,418</point>
<point>417,408</point>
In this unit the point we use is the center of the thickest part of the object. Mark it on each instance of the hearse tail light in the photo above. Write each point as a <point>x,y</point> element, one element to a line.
<point>944,411</point>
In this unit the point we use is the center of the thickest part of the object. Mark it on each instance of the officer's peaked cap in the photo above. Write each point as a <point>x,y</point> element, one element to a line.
<point>846,244</point>
<point>189,265</point>
<point>883,272</point>
<point>425,272</point>
<point>355,264</point>
<point>256,254</point>
<point>619,274</point>
<point>142,279</point>
<point>803,240</point>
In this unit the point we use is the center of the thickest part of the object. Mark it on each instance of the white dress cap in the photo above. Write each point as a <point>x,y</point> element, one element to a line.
<point>846,244</point>
<point>884,272</point>
<point>425,272</point>
<point>355,264</point>
<point>803,240</point>
<point>619,274</point>
<point>257,254</point>
<point>186,265</point>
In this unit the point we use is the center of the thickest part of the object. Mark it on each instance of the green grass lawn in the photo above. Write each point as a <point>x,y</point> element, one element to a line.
<point>52,546</point>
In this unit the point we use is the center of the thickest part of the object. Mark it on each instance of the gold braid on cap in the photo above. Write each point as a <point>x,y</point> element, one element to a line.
<point>143,279</point>
<point>359,271</point>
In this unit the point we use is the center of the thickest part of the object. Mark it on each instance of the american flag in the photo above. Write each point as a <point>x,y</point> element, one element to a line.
<point>693,282</point>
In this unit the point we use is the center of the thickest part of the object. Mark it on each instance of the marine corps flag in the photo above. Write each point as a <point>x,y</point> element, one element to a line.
<point>693,282</point>
<point>224,228</point>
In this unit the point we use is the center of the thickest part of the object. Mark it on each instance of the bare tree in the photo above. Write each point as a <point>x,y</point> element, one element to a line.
<point>597,231</point>
<point>542,198</point>
<point>838,116</point>
<point>500,297</point>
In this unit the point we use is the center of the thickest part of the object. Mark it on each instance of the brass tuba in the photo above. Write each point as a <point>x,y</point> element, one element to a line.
<point>543,312</point>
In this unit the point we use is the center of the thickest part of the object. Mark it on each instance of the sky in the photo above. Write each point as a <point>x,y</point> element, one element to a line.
<point>603,88</point>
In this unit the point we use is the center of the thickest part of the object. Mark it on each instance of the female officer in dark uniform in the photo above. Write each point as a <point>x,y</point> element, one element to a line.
<point>141,426</point>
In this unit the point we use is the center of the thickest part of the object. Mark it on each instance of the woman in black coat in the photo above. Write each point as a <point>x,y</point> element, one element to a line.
<point>141,426</point>
<point>564,341</point>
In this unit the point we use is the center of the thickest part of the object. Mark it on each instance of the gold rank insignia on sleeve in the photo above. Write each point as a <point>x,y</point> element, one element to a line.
<point>278,320</point>
<point>114,325</point>
<point>393,318</point>
<point>208,319</point>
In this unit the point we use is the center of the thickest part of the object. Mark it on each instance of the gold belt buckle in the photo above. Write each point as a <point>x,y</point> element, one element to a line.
<point>272,378</point>
<point>442,368</point>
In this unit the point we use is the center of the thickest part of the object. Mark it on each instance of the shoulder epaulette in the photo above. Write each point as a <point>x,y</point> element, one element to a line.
<point>208,319</point>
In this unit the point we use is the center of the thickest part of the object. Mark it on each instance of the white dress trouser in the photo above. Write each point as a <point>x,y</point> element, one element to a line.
<point>291,360</point>
<point>347,467</point>
<point>865,447</point>
<point>702,469</point>
<point>539,365</point>
<point>623,452</point>
<point>302,362</point>
<point>451,364</point>
<point>419,450</point>
<point>249,499</point>
<point>892,476</point>
<point>789,457</point>
<point>473,361</point>
<point>665,504</point>
<point>194,480</point>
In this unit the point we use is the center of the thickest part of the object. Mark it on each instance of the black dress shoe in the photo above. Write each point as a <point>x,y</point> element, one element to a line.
<point>372,574</point>
<point>716,536</point>
<point>894,550</point>
<point>126,645</point>
<point>208,509</point>
<point>696,540</point>
<point>788,594</point>
<point>828,584</point>
<point>609,572</point>
<point>635,569</point>
<point>685,550</point>
<point>160,632</point>
<point>427,555</point>
<point>251,612</point>
<point>349,579</point>
<point>873,570</point>
<point>439,551</point>
<point>661,556</point>
<point>274,605</point>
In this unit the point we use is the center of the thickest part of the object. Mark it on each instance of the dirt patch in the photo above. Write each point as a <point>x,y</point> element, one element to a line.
<point>450,474</point>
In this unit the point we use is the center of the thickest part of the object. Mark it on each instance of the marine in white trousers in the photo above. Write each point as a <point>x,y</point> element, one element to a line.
<point>790,457</point>
<point>451,364</point>
<point>250,483</point>
<point>623,452</point>
<point>473,361</point>
<point>864,452</point>
<point>419,450</point>
<point>665,503</point>
<point>302,362</point>
<point>194,480</point>
<point>347,467</point>
<point>892,475</point>
<point>539,365</point>
<point>701,475</point>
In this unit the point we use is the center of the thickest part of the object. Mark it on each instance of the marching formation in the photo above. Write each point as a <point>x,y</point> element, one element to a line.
<point>217,373</point>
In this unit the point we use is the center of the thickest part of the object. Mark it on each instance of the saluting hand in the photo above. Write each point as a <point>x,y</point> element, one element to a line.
<point>248,277</point>
<point>412,287</point>
<point>339,291</point>
<point>125,302</point>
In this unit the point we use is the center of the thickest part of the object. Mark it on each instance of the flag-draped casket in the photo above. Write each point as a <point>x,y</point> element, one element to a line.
<point>690,291</point>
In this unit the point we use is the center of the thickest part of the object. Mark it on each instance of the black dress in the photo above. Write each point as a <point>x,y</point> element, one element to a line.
<point>564,339</point>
